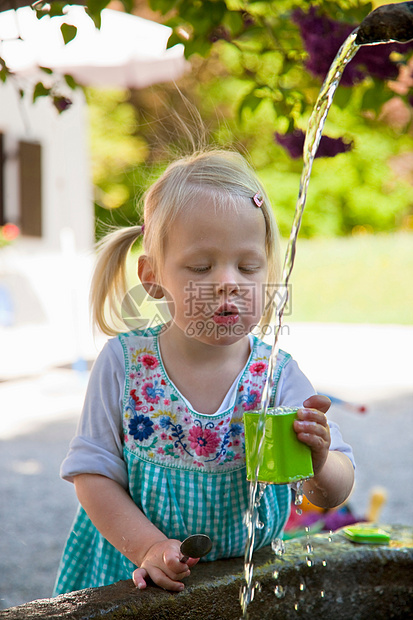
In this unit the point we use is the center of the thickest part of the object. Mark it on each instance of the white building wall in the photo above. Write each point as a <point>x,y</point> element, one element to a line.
<point>44,282</point>
<point>66,183</point>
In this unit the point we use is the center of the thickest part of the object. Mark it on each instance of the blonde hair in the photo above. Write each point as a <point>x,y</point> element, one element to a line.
<point>225,176</point>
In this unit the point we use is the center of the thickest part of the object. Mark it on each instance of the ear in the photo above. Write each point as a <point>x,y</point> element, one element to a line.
<point>147,276</point>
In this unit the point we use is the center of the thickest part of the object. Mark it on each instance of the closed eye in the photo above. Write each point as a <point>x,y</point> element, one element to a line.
<point>199,269</point>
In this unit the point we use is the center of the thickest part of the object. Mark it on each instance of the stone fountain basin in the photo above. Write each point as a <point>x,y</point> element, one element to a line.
<point>358,581</point>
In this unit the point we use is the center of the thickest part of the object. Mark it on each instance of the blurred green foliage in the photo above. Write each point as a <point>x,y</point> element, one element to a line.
<point>357,279</point>
<point>248,80</point>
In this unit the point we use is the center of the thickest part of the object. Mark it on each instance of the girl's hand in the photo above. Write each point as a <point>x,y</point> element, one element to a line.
<point>312,429</point>
<point>161,563</point>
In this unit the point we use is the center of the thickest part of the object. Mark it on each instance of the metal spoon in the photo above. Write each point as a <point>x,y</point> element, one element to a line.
<point>195,546</point>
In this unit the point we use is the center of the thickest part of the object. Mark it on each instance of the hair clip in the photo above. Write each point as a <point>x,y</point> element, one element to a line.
<point>258,200</point>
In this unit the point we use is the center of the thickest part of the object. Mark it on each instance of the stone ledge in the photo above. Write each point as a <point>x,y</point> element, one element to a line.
<point>358,582</point>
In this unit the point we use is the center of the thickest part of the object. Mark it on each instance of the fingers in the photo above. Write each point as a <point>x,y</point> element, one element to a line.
<point>192,561</point>
<point>322,403</point>
<point>173,567</point>
<point>312,427</point>
<point>159,578</point>
<point>163,581</point>
<point>162,565</point>
<point>312,418</point>
<point>138,577</point>
<point>166,573</point>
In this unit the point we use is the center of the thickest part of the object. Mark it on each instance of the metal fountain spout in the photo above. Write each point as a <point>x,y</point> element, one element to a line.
<point>390,22</point>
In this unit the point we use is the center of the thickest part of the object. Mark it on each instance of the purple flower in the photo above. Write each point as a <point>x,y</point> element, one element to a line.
<point>220,32</point>
<point>322,39</point>
<point>293,143</point>
<point>140,427</point>
<point>247,19</point>
<point>61,103</point>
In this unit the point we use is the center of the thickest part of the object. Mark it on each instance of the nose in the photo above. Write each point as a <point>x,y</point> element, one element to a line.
<point>227,283</point>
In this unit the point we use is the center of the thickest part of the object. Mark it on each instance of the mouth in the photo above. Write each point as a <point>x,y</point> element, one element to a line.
<point>227,314</point>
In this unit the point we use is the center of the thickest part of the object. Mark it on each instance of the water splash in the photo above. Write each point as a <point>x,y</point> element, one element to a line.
<point>367,34</point>
<point>312,141</point>
<point>299,492</point>
<point>278,547</point>
<point>279,591</point>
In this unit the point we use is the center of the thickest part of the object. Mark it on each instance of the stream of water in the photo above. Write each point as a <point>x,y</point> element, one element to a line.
<point>312,141</point>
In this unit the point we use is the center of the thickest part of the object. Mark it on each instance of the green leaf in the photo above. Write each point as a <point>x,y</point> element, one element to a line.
<point>174,39</point>
<point>216,10</point>
<point>40,90</point>
<point>52,9</point>
<point>97,20</point>
<point>40,12</point>
<point>291,125</point>
<point>70,81</point>
<point>234,21</point>
<point>94,8</point>
<point>46,70</point>
<point>343,96</point>
<point>375,97</point>
<point>56,9</point>
<point>250,102</point>
<point>4,70</point>
<point>162,5</point>
<point>128,5</point>
<point>68,32</point>
<point>199,46</point>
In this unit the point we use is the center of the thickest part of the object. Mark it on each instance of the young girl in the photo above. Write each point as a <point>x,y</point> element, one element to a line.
<point>159,452</point>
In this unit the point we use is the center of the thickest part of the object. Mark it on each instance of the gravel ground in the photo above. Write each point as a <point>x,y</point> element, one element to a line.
<point>38,416</point>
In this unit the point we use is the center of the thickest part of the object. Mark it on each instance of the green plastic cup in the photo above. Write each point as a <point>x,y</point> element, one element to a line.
<point>285,458</point>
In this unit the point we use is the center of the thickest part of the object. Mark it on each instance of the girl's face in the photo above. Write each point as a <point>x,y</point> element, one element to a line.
<point>214,271</point>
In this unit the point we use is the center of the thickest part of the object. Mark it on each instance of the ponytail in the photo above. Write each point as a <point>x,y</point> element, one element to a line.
<point>109,286</point>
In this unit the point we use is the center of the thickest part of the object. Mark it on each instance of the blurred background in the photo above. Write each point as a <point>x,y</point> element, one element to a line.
<point>83,137</point>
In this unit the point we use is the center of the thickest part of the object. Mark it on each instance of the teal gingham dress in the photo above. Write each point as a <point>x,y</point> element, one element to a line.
<point>186,470</point>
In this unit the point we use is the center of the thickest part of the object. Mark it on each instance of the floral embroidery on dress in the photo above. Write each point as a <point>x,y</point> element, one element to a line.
<point>158,424</point>
<point>149,361</point>
<point>203,440</point>
<point>141,427</point>
<point>251,399</point>
<point>152,393</point>
<point>258,368</point>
